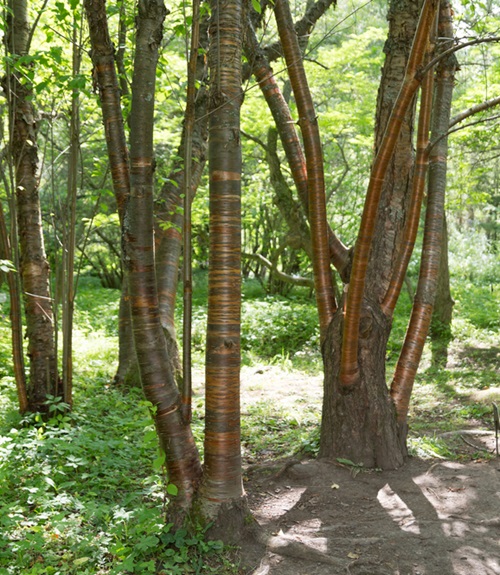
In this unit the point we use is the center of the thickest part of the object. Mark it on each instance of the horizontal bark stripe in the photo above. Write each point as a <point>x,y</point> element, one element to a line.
<point>222,176</point>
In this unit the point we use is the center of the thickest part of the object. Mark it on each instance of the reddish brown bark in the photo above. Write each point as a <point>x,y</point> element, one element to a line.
<point>158,382</point>
<point>349,364</point>
<point>420,320</point>
<point>103,60</point>
<point>314,161</point>
<point>418,187</point>
<point>358,422</point>
<point>168,212</point>
<point>289,138</point>
<point>222,481</point>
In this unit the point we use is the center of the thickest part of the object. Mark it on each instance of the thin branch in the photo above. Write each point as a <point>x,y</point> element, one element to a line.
<point>255,139</point>
<point>486,105</point>
<point>295,280</point>
<point>457,129</point>
<point>35,24</point>
<point>454,49</point>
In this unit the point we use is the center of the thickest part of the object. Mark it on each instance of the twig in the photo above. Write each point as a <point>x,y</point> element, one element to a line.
<point>481,448</point>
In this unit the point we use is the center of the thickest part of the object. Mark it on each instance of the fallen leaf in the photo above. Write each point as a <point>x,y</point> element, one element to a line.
<point>335,486</point>
<point>352,555</point>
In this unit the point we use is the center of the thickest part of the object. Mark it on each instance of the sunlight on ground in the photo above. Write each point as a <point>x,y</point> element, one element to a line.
<point>400,513</point>
<point>274,508</point>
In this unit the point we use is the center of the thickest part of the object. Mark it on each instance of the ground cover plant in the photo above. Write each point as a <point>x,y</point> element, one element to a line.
<point>85,492</point>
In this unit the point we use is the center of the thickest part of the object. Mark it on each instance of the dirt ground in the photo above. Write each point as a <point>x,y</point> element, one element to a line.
<point>432,517</point>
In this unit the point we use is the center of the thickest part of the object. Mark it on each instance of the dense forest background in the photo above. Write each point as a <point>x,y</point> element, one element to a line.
<point>83,415</point>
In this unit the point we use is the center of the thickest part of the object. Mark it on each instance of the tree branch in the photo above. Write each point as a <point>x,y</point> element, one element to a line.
<point>295,280</point>
<point>486,105</point>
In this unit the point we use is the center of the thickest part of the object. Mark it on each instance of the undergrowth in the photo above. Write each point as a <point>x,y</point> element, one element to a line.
<point>85,492</point>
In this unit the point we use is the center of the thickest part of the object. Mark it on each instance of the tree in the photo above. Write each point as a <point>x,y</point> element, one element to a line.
<point>222,480</point>
<point>358,414</point>
<point>33,264</point>
<point>221,485</point>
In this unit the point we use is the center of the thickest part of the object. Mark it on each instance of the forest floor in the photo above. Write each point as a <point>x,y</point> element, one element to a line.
<point>432,517</point>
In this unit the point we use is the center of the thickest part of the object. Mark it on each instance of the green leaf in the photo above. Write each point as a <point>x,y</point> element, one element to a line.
<point>7,266</point>
<point>256,6</point>
<point>81,560</point>
<point>159,461</point>
<point>150,436</point>
<point>50,481</point>
<point>172,489</point>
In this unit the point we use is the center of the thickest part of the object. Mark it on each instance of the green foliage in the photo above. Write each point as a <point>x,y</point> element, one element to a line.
<point>84,493</point>
<point>96,309</point>
<point>269,434</point>
<point>275,326</point>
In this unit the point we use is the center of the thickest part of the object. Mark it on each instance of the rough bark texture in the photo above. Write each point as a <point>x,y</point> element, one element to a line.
<point>34,267</point>
<point>222,487</point>
<point>359,420</point>
<point>359,423</point>
<point>158,382</point>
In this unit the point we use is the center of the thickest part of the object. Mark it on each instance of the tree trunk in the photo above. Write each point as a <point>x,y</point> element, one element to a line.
<point>359,420</point>
<point>127,372</point>
<point>168,212</point>
<point>69,234</point>
<point>33,265</point>
<point>314,162</point>
<point>359,424</point>
<point>418,329</point>
<point>103,60</point>
<point>176,439</point>
<point>440,331</point>
<point>222,488</point>
<point>16,324</point>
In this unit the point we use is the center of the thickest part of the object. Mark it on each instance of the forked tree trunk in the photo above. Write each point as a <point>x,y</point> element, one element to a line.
<point>34,267</point>
<point>359,420</point>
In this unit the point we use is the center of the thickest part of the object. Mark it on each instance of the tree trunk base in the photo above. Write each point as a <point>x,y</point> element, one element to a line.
<point>359,423</point>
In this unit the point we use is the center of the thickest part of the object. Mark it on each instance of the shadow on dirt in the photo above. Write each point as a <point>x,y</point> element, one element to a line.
<point>425,519</point>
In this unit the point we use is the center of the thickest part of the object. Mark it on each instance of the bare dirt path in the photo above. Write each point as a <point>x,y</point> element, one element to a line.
<point>432,517</point>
